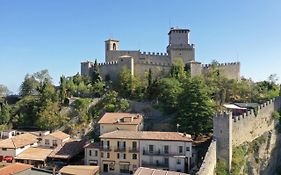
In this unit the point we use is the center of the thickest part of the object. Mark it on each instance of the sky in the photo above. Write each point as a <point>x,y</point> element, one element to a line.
<point>58,35</point>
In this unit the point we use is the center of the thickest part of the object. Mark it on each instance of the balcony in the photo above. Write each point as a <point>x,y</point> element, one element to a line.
<point>155,164</point>
<point>161,153</point>
<point>120,149</point>
<point>101,147</point>
<point>134,150</point>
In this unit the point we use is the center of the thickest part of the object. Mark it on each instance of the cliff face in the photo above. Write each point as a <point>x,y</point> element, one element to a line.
<point>263,155</point>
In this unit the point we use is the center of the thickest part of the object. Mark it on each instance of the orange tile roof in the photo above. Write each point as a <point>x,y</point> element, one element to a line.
<point>14,168</point>
<point>38,153</point>
<point>147,135</point>
<point>59,134</point>
<point>121,118</point>
<point>18,141</point>
<point>150,171</point>
<point>79,169</point>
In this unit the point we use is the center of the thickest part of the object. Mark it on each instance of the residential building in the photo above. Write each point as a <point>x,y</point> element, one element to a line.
<point>15,145</point>
<point>55,139</point>
<point>92,154</point>
<point>79,170</point>
<point>150,171</point>
<point>34,156</point>
<point>125,151</point>
<point>120,121</point>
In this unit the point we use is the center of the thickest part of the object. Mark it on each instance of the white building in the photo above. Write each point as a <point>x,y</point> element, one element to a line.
<point>17,144</point>
<point>125,151</point>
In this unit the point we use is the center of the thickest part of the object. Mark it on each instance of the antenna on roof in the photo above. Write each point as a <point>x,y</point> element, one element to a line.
<point>178,125</point>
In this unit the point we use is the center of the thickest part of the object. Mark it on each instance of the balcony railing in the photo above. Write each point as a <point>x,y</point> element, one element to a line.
<point>102,147</point>
<point>161,153</point>
<point>155,164</point>
<point>120,149</point>
<point>134,150</point>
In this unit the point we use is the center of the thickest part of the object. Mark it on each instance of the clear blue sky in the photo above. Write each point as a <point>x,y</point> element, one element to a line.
<point>58,34</point>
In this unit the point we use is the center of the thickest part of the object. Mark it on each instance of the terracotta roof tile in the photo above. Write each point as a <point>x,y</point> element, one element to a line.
<point>77,170</point>
<point>14,168</point>
<point>121,118</point>
<point>60,135</point>
<point>38,153</point>
<point>150,171</point>
<point>147,135</point>
<point>18,141</point>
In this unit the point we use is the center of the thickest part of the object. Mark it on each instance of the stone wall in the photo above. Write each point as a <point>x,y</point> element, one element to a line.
<point>248,126</point>
<point>209,164</point>
<point>158,69</point>
<point>229,70</point>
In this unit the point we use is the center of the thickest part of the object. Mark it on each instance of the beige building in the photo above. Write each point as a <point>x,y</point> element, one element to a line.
<point>125,151</point>
<point>120,121</point>
<point>55,139</point>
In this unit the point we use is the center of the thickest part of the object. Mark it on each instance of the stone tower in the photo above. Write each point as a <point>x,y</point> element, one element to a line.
<point>110,45</point>
<point>179,46</point>
<point>222,124</point>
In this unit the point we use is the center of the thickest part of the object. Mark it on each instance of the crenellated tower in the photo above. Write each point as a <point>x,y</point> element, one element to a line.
<point>179,46</point>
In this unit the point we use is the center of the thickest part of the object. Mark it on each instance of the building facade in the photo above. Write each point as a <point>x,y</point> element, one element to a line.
<point>139,63</point>
<point>120,121</point>
<point>126,151</point>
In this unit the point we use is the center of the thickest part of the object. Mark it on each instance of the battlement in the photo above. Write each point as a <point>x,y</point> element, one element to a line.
<point>206,66</point>
<point>153,54</point>
<point>108,63</point>
<point>251,113</point>
<point>154,63</point>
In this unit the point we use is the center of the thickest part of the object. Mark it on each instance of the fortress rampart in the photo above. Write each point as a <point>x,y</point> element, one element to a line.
<point>209,164</point>
<point>229,70</point>
<point>231,131</point>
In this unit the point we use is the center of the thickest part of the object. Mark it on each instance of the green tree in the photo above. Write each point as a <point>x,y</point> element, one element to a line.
<point>170,89</point>
<point>5,114</point>
<point>63,89</point>
<point>177,70</point>
<point>49,116</point>
<point>195,108</point>
<point>4,91</point>
<point>29,86</point>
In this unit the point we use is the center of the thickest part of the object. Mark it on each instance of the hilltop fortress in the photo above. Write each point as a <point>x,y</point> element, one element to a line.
<point>160,64</point>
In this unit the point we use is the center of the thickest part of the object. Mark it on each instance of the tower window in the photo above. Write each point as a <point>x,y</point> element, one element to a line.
<point>114,46</point>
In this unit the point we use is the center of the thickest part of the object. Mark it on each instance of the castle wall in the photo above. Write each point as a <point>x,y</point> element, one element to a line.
<point>113,55</point>
<point>208,166</point>
<point>112,69</point>
<point>186,54</point>
<point>248,127</point>
<point>229,70</point>
<point>158,69</point>
<point>85,68</point>
<point>155,57</point>
<point>222,126</point>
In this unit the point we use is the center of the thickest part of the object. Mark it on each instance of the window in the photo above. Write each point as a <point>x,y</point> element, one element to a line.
<point>118,155</point>
<point>90,152</point>
<point>178,161</point>
<point>114,46</point>
<point>108,144</point>
<point>134,145</point>
<point>108,155</point>
<point>124,156</point>
<point>166,161</point>
<point>135,156</point>
<point>124,144</point>
<point>96,153</point>
<point>150,148</point>
<point>166,149</point>
<point>101,154</point>
<point>4,149</point>
<point>118,144</point>
<point>55,143</point>
<point>47,142</point>
<point>180,149</point>
<point>187,148</point>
